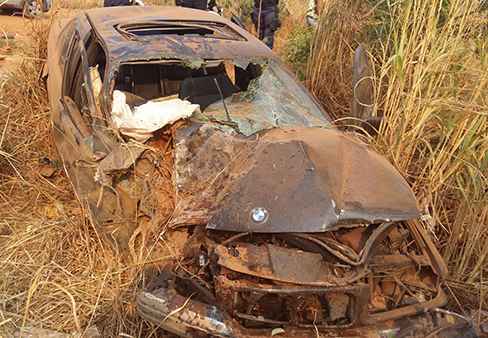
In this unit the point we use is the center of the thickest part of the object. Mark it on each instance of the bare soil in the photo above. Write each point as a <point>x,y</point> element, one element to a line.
<point>12,23</point>
<point>12,32</point>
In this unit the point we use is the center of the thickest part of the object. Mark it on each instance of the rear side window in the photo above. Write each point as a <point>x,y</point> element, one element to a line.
<point>75,73</point>
<point>72,73</point>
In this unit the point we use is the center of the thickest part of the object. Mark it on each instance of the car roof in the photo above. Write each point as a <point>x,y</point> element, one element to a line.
<point>122,48</point>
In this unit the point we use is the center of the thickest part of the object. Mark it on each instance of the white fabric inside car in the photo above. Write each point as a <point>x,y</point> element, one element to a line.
<point>140,122</point>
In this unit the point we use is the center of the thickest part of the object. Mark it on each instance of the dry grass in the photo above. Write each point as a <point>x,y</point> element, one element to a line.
<point>431,76</point>
<point>434,81</point>
<point>329,71</point>
<point>56,271</point>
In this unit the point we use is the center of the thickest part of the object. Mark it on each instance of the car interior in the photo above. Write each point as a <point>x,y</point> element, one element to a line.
<point>203,86</point>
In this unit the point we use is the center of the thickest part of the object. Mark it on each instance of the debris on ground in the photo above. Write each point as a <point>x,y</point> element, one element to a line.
<point>32,332</point>
<point>303,281</point>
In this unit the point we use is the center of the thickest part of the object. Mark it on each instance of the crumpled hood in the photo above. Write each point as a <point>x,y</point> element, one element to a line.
<point>300,180</point>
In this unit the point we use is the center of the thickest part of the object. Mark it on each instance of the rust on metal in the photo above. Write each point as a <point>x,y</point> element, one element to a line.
<point>193,314</point>
<point>283,220</point>
<point>123,48</point>
<point>282,264</point>
<point>307,180</point>
<point>312,180</point>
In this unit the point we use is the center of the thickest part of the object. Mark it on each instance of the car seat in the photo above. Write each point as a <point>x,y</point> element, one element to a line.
<point>204,91</point>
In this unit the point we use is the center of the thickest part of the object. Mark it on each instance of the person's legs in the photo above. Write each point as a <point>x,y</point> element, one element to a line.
<point>113,3</point>
<point>268,26</point>
<point>268,39</point>
<point>197,4</point>
<point>266,20</point>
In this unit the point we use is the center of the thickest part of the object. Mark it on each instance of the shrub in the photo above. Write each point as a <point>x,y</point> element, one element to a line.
<point>297,49</point>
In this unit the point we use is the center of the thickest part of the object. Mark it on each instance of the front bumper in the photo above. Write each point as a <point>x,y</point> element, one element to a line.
<point>190,318</point>
<point>378,281</point>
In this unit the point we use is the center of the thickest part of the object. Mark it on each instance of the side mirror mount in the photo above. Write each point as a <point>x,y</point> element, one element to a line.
<point>362,85</point>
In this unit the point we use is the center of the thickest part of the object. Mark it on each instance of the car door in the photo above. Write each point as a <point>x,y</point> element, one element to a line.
<point>81,133</point>
<point>72,103</point>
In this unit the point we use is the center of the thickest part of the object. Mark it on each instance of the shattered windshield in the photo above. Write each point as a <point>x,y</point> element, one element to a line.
<point>272,99</point>
<point>247,97</point>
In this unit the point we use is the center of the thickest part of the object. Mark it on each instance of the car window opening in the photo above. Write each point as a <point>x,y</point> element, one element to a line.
<point>152,81</point>
<point>256,98</point>
<point>74,88</point>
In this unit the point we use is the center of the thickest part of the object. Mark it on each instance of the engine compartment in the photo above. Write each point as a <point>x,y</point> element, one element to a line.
<point>344,279</point>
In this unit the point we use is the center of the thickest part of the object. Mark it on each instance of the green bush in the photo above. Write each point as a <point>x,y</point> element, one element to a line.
<point>297,49</point>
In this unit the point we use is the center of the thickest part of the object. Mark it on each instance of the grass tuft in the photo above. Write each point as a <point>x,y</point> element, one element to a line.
<point>57,272</point>
<point>431,77</point>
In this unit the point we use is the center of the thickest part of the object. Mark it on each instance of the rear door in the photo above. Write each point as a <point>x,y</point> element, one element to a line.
<point>72,102</point>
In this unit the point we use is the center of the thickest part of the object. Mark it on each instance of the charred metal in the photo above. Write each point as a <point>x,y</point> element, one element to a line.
<point>177,118</point>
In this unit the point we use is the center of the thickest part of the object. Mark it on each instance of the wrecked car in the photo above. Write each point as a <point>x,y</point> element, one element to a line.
<point>175,118</point>
<point>30,8</point>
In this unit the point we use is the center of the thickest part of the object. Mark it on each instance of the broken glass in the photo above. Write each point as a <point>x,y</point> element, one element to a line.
<point>274,99</point>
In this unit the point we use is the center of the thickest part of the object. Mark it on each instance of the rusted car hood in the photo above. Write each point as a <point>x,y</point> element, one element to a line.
<point>295,180</point>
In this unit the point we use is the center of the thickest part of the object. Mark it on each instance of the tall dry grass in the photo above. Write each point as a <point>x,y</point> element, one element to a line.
<point>433,82</point>
<point>56,271</point>
<point>431,76</point>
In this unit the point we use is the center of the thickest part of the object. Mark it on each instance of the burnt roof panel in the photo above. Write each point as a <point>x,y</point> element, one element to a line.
<point>120,48</point>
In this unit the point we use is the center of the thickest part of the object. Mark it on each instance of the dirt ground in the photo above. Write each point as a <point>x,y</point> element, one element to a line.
<point>12,23</point>
<point>12,32</point>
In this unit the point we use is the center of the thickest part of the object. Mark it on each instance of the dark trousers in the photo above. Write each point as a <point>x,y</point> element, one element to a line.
<point>266,24</point>
<point>113,3</point>
<point>197,4</point>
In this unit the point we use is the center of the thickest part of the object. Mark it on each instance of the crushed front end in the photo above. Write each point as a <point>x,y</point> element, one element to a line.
<point>377,281</point>
<point>290,250</point>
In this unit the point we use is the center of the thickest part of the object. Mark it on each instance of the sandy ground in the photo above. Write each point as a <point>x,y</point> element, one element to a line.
<point>11,34</point>
<point>12,23</point>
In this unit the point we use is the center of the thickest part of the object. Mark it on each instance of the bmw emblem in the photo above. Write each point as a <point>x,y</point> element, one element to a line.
<point>259,215</point>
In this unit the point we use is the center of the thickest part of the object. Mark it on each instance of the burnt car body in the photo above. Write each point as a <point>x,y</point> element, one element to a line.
<point>293,227</point>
